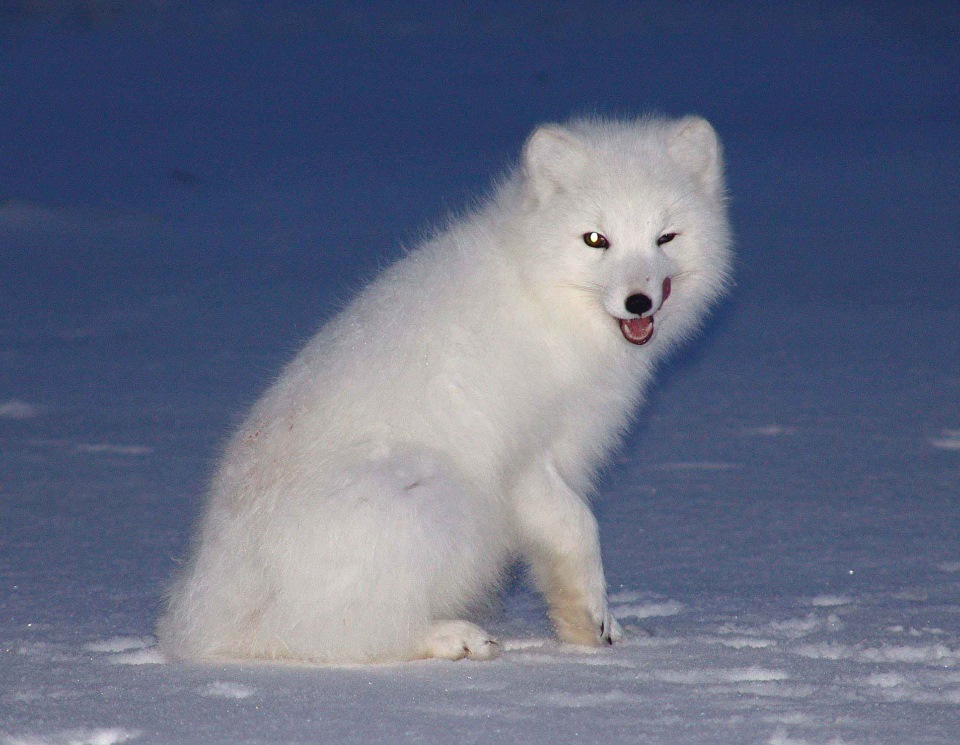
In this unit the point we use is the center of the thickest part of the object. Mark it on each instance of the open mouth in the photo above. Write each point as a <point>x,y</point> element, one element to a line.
<point>640,330</point>
<point>637,330</point>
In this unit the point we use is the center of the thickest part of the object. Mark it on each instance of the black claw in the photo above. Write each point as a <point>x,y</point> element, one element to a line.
<point>605,633</point>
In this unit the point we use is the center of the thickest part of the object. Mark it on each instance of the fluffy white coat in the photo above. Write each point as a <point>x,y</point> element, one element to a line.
<point>452,417</point>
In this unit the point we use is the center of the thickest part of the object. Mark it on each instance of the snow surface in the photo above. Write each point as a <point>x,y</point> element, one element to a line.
<point>187,190</point>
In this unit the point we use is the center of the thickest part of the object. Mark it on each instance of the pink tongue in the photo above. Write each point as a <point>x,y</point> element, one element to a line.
<point>637,330</point>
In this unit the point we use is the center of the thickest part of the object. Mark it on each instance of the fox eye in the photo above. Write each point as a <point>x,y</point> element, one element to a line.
<point>666,238</point>
<point>596,240</point>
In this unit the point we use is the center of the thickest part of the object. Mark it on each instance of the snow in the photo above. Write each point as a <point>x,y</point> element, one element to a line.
<point>224,689</point>
<point>949,440</point>
<point>187,190</point>
<point>111,736</point>
<point>120,644</point>
<point>16,409</point>
<point>647,610</point>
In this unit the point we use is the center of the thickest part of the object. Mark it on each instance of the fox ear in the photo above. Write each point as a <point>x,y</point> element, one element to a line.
<point>551,159</point>
<point>694,145</point>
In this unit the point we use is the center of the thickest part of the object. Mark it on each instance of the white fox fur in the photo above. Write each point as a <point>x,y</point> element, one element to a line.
<point>452,417</point>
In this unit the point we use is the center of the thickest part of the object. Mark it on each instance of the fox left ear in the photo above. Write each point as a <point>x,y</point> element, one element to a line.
<point>551,160</point>
<point>694,145</point>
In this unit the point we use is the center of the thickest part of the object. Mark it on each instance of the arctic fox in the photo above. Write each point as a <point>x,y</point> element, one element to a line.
<point>449,421</point>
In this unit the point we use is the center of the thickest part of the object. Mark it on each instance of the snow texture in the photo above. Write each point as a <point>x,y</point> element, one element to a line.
<point>187,190</point>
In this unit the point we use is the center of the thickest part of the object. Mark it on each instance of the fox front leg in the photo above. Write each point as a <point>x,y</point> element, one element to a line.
<point>562,545</point>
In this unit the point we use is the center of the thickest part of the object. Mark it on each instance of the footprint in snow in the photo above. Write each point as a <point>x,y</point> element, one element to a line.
<point>770,430</point>
<point>17,409</point>
<point>226,689</point>
<point>101,736</point>
<point>949,440</point>
<point>128,650</point>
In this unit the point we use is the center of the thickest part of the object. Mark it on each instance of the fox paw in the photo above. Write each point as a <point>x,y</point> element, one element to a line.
<point>587,629</point>
<point>454,640</point>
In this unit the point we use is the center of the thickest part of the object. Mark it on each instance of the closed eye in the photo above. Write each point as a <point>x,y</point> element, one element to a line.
<point>666,238</point>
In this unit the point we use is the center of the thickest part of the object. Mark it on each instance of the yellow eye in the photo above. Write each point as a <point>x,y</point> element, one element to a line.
<point>595,240</point>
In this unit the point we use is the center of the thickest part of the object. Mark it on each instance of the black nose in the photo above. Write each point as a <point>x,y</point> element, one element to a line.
<point>638,304</point>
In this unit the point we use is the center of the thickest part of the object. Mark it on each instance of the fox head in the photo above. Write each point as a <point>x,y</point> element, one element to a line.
<point>627,219</point>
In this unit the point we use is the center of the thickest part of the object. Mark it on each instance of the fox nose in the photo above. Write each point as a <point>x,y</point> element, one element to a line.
<point>638,304</point>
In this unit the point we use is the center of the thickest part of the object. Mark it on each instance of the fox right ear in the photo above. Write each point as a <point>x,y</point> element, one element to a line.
<point>695,146</point>
<point>551,158</point>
